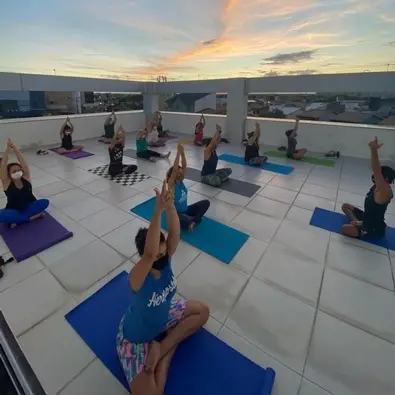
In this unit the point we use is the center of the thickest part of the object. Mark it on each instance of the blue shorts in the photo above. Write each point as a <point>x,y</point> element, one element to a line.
<point>133,355</point>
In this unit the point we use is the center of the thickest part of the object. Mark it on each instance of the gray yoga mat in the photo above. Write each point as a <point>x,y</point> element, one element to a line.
<point>231,185</point>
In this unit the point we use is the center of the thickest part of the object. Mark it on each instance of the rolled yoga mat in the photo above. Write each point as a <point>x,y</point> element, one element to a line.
<point>210,236</point>
<point>202,364</point>
<point>307,159</point>
<point>33,237</point>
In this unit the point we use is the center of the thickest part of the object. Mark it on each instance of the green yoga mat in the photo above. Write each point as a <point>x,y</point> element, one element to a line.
<point>307,159</point>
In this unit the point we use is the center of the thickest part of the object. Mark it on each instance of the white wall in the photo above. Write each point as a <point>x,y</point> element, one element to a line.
<point>184,123</point>
<point>28,132</point>
<point>350,140</point>
<point>209,101</point>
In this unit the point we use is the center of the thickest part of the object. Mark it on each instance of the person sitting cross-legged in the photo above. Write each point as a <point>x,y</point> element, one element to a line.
<point>22,205</point>
<point>66,136</point>
<point>190,215</point>
<point>251,155</point>
<point>155,322</point>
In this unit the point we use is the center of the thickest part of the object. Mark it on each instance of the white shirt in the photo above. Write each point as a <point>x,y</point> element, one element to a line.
<point>153,137</point>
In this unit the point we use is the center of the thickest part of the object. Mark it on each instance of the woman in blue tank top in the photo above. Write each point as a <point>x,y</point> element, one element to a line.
<point>210,174</point>
<point>155,323</point>
<point>190,215</point>
<point>370,222</point>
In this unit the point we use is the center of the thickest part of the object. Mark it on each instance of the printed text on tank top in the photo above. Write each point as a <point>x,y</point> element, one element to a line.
<point>158,298</point>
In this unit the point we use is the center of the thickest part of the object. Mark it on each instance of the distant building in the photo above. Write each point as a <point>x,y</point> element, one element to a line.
<point>350,117</point>
<point>192,102</point>
<point>390,121</point>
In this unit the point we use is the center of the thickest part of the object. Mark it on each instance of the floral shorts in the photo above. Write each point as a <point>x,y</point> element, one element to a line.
<point>133,355</point>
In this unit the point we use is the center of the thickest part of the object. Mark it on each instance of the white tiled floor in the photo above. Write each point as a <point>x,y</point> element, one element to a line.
<point>316,307</point>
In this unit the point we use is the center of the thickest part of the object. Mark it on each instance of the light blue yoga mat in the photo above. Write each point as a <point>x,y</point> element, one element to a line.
<point>210,236</point>
<point>269,166</point>
<point>202,364</point>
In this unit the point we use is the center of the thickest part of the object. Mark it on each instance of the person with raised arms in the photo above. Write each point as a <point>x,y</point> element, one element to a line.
<point>66,137</point>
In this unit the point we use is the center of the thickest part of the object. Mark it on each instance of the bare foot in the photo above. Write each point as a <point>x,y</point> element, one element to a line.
<point>37,216</point>
<point>153,356</point>
<point>191,226</point>
<point>152,160</point>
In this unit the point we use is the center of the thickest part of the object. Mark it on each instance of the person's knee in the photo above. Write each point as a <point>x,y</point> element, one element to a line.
<point>228,171</point>
<point>204,313</point>
<point>206,204</point>
<point>346,207</point>
<point>144,384</point>
<point>349,230</point>
<point>42,204</point>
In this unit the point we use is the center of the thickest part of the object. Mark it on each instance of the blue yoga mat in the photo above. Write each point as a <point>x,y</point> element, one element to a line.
<point>210,236</point>
<point>202,364</point>
<point>269,166</point>
<point>333,222</point>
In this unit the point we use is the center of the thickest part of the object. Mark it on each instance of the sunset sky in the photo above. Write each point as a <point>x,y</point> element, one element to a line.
<point>141,39</point>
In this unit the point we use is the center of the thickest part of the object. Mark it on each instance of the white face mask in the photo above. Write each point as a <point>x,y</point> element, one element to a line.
<point>17,175</point>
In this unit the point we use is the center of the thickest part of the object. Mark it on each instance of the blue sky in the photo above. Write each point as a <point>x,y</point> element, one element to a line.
<point>184,39</point>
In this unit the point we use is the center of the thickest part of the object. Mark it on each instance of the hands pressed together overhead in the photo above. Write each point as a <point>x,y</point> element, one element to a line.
<point>164,198</point>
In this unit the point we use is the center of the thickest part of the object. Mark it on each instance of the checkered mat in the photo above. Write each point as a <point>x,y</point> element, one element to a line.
<point>122,179</point>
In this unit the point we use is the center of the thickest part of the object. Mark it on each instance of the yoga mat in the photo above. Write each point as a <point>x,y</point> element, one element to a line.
<point>332,221</point>
<point>202,364</point>
<point>242,188</point>
<point>307,159</point>
<point>31,238</point>
<point>274,167</point>
<point>73,155</point>
<point>210,236</point>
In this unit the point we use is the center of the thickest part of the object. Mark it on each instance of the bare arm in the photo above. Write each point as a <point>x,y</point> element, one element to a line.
<point>62,127</point>
<point>383,190</point>
<point>173,222</point>
<point>203,120</point>
<point>141,134</point>
<point>214,141</point>
<point>172,179</point>
<point>293,134</point>
<point>4,162</point>
<point>256,135</point>
<point>140,271</point>
<point>72,126</point>
<point>183,162</point>
<point>22,162</point>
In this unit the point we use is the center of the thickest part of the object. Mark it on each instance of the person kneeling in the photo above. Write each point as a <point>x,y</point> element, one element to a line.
<point>252,156</point>
<point>22,205</point>
<point>115,151</point>
<point>66,136</point>
<point>371,221</point>
<point>292,152</point>
<point>210,174</point>
<point>190,215</point>
<point>155,323</point>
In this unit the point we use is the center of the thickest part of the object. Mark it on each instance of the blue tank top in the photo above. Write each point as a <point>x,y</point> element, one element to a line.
<point>180,197</point>
<point>148,313</point>
<point>210,165</point>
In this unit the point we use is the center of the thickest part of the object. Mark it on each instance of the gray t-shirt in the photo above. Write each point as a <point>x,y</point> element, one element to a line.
<point>291,146</point>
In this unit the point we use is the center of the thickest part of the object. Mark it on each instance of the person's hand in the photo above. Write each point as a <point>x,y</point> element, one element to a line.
<point>297,120</point>
<point>68,119</point>
<point>218,129</point>
<point>10,145</point>
<point>164,198</point>
<point>375,145</point>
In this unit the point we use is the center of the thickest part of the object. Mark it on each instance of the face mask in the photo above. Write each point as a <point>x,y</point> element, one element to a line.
<point>17,175</point>
<point>161,263</point>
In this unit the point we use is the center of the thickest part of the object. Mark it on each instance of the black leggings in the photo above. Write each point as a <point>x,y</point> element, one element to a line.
<point>148,154</point>
<point>125,169</point>
<point>194,213</point>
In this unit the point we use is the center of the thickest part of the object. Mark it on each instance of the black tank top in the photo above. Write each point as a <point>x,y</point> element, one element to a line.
<point>374,212</point>
<point>210,165</point>
<point>19,199</point>
<point>252,151</point>
<point>67,141</point>
<point>116,157</point>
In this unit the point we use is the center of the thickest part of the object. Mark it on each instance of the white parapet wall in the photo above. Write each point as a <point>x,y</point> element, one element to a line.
<point>40,131</point>
<point>349,139</point>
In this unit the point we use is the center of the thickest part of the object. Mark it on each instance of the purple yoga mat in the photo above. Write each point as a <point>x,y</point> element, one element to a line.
<point>31,238</point>
<point>74,155</point>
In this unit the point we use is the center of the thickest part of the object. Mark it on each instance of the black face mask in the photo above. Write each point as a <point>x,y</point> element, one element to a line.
<point>161,263</point>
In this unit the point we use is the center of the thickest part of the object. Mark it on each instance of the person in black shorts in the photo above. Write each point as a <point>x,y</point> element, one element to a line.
<point>251,155</point>
<point>292,152</point>
<point>370,222</point>
<point>66,137</point>
<point>115,150</point>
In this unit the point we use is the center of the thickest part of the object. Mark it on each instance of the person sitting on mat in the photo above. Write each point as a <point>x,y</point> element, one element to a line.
<point>371,221</point>
<point>159,125</point>
<point>292,152</point>
<point>142,148</point>
<point>210,174</point>
<point>155,323</point>
<point>109,128</point>
<point>190,215</point>
<point>251,155</point>
<point>153,136</point>
<point>22,206</point>
<point>115,150</point>
<point>199,131</point>
<point>66,132</point>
